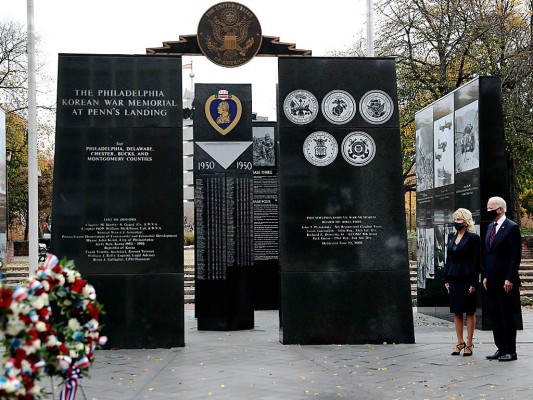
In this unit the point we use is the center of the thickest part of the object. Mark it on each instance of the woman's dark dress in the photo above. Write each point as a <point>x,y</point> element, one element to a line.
<point>461,271</point>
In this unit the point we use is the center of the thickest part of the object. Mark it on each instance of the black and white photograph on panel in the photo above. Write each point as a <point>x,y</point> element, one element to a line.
<point>441,235</point>
<point>467,137</point>
<point>264,154</point>
<point>424,150</point>
<point>444,203</point>
<point>444,154</point>
<point>426,253</point>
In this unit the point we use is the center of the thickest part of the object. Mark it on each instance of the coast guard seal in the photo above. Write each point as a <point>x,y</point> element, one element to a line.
<point>338,106</point>
<point>376,107</point>
<point>300,107</point>
<point>320,148</point>
<point>358,148</point>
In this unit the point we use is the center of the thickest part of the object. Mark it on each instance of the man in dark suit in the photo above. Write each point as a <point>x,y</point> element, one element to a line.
<point>501,259</point>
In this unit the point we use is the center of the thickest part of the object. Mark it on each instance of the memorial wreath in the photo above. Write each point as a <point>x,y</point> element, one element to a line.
<point>49,327</point>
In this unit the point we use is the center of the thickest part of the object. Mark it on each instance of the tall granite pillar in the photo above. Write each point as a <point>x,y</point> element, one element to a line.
<point>117,201</point>
<point>343,245</point>
<point>265,275</point>
<point>223,201</point>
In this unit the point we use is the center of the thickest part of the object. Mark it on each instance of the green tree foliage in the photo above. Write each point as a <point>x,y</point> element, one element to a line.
<point>442,44</point>
<point>13,100</point>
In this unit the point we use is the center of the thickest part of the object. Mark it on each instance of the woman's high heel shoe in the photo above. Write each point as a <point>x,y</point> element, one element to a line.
<point>468,350</point>
<point>458,348</point>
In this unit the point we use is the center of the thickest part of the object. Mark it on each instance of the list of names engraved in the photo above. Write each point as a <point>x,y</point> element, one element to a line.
<point>120,239</point>
<point>348,230</point>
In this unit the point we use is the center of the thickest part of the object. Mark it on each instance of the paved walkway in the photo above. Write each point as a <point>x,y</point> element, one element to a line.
<point>253,365</point>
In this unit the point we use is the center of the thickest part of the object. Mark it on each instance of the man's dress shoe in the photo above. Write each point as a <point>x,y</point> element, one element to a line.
<point>495,356</point>
<point>508,357</point>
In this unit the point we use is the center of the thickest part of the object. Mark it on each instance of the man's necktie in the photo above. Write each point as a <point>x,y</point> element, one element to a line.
<point>492,234</point>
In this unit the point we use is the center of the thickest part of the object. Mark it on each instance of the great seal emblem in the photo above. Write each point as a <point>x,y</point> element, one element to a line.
<point>229,34</point>
<point>300,107</point>
<point>376,107</point>
<point>358,148</point>
<point>338,106</point>
<point>320,148</point>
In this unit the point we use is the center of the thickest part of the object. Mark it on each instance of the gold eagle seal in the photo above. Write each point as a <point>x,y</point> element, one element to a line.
<point>229,34</point>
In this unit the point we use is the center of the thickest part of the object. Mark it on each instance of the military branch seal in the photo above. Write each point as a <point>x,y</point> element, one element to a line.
<point>229,34</point>
<point>376,107</point>
<point>320,148</point>
<point>338,106</point>
<point>358,148</point>
<point>300,107</point>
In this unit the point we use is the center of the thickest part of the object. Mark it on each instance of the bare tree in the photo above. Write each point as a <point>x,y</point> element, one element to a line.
<point>442,44</point>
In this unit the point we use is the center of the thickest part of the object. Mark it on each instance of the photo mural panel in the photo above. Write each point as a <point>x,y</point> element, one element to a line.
<point>341,194</point>
<point>469,167</point>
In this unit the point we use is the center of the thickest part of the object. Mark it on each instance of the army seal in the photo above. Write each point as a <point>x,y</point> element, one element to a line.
<point>300,107</point>
<point>320,148</point>
<point>229,34</point>
<point>376,107</point>
<point>358,148</point>
<point>338,106</point>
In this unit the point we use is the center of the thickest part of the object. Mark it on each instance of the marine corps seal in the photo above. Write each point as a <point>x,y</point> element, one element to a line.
<point>376,107</point>
<point>229,34</point>
<point>358,148</point>
<point>320,148</point>
<point>338,106</point>
<point>300,107</point>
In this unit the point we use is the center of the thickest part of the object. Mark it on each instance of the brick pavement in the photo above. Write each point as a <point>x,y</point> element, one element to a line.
<point>246,365</point>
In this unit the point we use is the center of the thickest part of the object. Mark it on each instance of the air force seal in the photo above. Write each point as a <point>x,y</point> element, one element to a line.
<point>376,107</point>
<point>223,111</point>
<point>229,34</point>
<point>300,107</point>
<point>358,148</point>
<point>338,107</point>
<point>320,148</point>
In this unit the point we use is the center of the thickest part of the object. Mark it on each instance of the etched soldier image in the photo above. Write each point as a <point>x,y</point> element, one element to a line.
<point>467,138</point>
<point>424,150</point>
<point>425,253</point>
<point>424,159</point>
<point>263,147</point>
<point>443,145</point>
<point>441,234</point>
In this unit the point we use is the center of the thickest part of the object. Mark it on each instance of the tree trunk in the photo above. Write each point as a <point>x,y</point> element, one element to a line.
<point>513,207</point>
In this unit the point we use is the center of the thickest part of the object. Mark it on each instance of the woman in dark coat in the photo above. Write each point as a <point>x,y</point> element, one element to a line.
<point>461,274</point>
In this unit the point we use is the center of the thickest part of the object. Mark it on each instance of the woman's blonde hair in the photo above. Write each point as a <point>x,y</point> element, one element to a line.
<point>465,215</point>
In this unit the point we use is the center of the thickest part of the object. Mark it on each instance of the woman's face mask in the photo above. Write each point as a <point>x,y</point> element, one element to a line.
<point>458,225</point>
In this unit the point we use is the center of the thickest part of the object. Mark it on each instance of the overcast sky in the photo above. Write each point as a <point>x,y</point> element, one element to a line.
<point>130,26</point>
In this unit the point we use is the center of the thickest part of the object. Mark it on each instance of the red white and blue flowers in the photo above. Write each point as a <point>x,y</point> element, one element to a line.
<point>38,341</point>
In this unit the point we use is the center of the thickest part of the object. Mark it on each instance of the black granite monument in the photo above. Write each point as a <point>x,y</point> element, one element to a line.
<point>117,202</point>
<point>265,274</point>
<point>343,246</point>
<point>223,201</point>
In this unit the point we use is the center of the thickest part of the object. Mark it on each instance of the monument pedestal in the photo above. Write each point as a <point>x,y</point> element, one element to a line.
<point>225,305</point>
